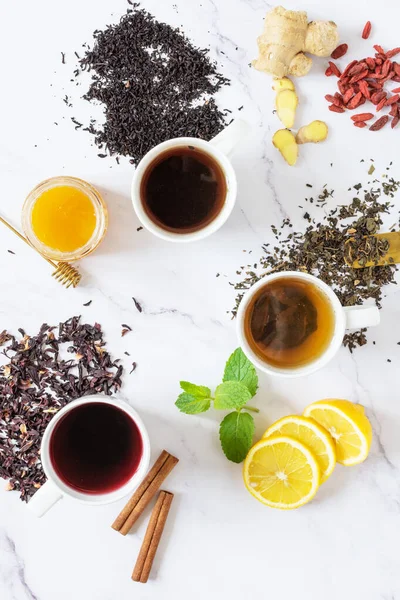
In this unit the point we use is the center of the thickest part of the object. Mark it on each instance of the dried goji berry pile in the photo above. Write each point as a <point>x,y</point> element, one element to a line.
<point>364,80</point>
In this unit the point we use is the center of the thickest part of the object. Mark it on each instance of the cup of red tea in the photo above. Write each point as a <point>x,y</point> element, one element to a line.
<point>184,189</point>
<point>96,450</point>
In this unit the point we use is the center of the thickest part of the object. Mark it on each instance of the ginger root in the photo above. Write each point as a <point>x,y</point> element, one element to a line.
<point>287,35</point>
<point>315,132</point>
<point>286,103</point>
<point>300,65</point>
<point>282,84</point>
<point>321,36</point>
<point>286,143</point>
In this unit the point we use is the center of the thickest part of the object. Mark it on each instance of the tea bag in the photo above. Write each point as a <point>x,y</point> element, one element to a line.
<point>283,319</point>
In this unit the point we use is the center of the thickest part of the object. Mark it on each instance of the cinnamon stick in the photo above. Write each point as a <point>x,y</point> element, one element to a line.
<point>126,511</point>
<point>152,537</point>
<point>145,492</point>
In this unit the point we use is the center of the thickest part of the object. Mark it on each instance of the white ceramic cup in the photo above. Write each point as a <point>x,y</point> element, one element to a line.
<point>219,148</point>
<point>54,488</point>
<point>353,317</point>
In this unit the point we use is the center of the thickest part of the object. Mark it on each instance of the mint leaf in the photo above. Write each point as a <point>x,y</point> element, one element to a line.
<point>191,405</point>
<point>231,394</point>
<point>239,368</point>
<point>198,391</point>
<point>236,434</point>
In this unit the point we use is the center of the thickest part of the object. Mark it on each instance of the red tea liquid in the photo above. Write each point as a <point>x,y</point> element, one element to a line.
<point>96,448</point>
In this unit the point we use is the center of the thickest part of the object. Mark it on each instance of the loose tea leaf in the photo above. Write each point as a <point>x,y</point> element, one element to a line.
<point>322,250</point>
<point>125,329</point>
<point>76,123</point>
<point>354,339</point>
<point>153,83</point>
<point>37,382</point>
<point>138,306</point>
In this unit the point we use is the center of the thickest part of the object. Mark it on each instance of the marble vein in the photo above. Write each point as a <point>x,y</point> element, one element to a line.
<point>268,180</point>
<point>238,61</point>
<point>248,221</point>
<point>16,582</point>
<point>170,311</point>
<point>376,424</point>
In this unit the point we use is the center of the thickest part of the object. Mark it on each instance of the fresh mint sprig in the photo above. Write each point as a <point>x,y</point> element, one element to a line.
<point>239,385</point>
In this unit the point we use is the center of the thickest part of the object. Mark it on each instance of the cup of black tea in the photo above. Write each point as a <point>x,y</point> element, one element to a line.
<point>95,449</point>
<point>291,323</point>
<point>184,189</point>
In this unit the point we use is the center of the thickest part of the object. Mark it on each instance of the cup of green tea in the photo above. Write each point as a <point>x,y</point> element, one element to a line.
<point>291,324</point>
<point>184,189</point>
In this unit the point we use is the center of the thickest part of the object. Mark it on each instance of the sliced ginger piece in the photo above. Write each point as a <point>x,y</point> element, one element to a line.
<point>315,132</point>
<point>284,83</point>
<point>286,104</point>
<point>286,143</point>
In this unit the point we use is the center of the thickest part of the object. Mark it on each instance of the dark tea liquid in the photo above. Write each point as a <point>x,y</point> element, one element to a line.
<point>183,189</point>
<point>289,323</point>
<point>96,448</point>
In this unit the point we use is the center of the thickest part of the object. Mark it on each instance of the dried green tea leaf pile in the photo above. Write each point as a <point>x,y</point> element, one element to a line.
<point>37,382</point>
<point>321,250</point>
<point>154,86</point>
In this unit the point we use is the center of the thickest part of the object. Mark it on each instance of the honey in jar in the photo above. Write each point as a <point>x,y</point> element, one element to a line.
<point>65,218</point>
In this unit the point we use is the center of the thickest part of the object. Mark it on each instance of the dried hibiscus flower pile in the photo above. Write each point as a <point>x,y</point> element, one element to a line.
<point>37,382</point>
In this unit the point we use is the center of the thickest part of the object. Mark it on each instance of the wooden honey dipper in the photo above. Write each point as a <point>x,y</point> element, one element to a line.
<point>65,273</point>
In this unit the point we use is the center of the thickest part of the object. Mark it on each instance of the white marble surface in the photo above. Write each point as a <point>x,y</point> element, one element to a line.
<point>220,542</point>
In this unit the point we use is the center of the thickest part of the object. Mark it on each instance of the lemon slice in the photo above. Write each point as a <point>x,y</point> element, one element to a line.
<point>281,472</point>
<point>348,426</point>
<point>312,435</point>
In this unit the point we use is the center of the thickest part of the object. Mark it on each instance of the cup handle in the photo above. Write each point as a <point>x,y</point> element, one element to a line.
<point>358,317</point>
<point>231,136</point>
<point>44,499</point>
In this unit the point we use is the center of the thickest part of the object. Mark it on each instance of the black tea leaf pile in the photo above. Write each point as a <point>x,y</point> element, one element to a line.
<point>154,85</point>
